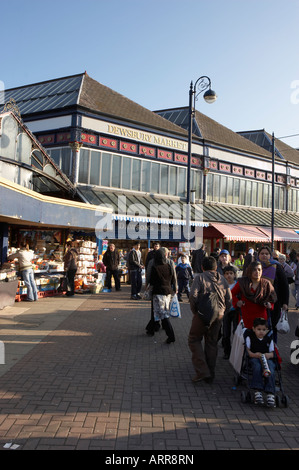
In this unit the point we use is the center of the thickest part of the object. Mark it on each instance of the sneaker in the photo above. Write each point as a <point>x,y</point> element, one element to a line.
<point>134,297</point>
<point>271,400</point>
<point>258,398</point>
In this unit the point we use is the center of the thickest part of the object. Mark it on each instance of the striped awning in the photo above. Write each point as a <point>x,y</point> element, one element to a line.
<point>282,234</point>
<point>242,233</point>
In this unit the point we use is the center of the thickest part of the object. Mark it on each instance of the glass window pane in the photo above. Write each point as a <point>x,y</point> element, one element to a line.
<point>242,192</point>
<point>126,173</point>
<point>209,186</point>
<point>136,175</point>
<point>145,176</point>
<point>55,155</point>
<point>172,180</point>
<point>66,160</point>
<point>182,182</point>
<point>266,196</point>
<point>155,178</point>
<point>164,179</point>
<point>279,198</point>
<point>248,193</point>
<point>95,165</point>
<point>106,169</point>
<point>83,166</point>
<point>229,190</point>
<point>236,191</point>
<point>116,168</point>
<point>223,180</point>
<point>216,188</point>
<point>37,159</point>
<point>260,195</point>
<point>253,193</point>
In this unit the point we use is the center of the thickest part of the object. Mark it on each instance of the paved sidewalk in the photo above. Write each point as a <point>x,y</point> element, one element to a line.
<point>81,373</point>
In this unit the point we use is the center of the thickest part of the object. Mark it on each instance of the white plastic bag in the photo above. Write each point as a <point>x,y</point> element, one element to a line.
<point>175,309</point>
<point>283,326</point>
<point>237,351</point>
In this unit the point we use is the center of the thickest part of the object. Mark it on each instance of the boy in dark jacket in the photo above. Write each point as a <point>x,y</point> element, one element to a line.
<point>184,274</point>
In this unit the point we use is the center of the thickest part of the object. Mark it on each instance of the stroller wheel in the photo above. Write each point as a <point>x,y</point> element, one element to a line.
<point>277,401</point>
<point>285,400</point>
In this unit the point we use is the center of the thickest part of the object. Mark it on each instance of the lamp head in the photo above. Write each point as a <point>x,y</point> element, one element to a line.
<point>210,96</point>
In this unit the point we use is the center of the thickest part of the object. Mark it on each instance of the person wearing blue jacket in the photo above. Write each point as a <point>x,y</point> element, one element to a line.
<point>184,274</point>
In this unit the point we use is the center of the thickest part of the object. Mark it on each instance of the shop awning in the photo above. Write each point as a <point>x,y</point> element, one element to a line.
<point>19,205</point>
<point>242,233</point>
<point>282,234</point>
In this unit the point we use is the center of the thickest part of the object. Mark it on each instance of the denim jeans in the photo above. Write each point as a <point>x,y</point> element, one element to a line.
<point>136,281</point>
<point>183,286</point>
<point>258,381</point>
<point>28,278</point>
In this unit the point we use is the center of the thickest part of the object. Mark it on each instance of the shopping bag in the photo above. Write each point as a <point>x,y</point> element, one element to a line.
<point>283,326</point>
<point>148,293</point>
<point>237,350</point>
<point>174,308</point>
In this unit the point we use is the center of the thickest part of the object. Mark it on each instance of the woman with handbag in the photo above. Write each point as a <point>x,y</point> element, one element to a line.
<point>162,278</point>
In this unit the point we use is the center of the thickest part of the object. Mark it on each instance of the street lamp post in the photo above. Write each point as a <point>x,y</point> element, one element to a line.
<point>273,193</point>
<point>203,83</point>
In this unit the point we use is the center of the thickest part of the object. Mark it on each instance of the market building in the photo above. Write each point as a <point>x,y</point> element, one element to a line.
<point>132,161</point>
<point>38,205</point>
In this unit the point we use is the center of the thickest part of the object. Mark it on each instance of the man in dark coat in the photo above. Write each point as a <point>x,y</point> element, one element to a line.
<point>70,266</point>
<point>111,261</point>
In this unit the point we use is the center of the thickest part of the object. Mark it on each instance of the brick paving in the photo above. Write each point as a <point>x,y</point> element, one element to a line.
<point>96,381</point>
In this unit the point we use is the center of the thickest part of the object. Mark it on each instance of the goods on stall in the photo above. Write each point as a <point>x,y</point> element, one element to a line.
<point>87,278</point>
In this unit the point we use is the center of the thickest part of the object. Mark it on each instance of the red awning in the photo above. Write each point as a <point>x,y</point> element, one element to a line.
<point>242,233</point>
<point>281,234</point>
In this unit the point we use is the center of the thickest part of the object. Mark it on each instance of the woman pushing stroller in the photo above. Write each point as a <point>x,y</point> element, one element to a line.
<point>253,294</point>
<point>255,297</point>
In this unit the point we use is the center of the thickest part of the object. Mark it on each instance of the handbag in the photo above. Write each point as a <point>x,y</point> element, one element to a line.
<point>174,308</point>
<point>283,326</point>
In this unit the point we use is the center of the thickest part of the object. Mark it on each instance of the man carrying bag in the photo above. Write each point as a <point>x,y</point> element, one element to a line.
<point>210,298</point>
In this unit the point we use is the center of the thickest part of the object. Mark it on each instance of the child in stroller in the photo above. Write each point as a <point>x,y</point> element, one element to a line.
<point>260,349</point>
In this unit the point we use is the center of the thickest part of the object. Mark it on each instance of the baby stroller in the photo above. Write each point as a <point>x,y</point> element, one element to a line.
<point>243,367</point>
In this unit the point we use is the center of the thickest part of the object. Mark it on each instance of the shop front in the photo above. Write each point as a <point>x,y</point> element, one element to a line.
<point>44,223</point>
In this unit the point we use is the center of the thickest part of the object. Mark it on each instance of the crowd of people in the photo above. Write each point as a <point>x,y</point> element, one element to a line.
<point>254,288</point>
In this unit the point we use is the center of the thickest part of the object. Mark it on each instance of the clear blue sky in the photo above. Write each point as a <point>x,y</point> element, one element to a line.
<point>150,50</point>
